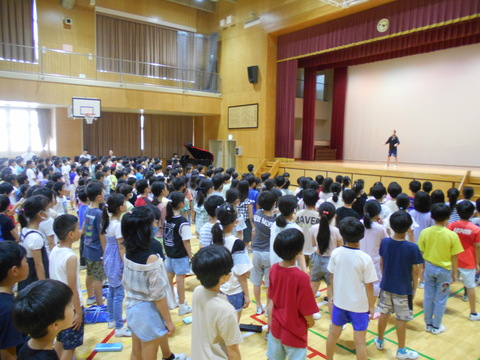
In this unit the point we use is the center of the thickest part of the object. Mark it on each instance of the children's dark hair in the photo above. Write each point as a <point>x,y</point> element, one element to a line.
<point>217,182</point>
<point>211,263</point>
<point>63,225</point>
<point>212,203</point>
<point>178,182</point>
<point>58,186</point>
<point>288,244</point>
<point>468,192</point>
<point>243,189</point>
<point>370,210</point>
<point>453,195</point>
<point>348,196</point>
<point>269,184</point>
<point>339,179</point>
<point>437,196</point>
<point>310,197</point>
<point>427,187</point>
<point>113,204</point>
<point>250,167</point>
<point>440,212</point>
<point>232,195</point>
<point>265,176</point>
<point>312,184</point>
<point>403,201</point>
<point>6,188</point>
<point>39,305</point>
<point>279,181</point>
<point>31,207</point>
<point>94,189</point>
<point>421,202</point>
<point>327,183</point>
<point>415,186</point>
<point>351,229</point>
<point>336,188</point>
<point>176,198</point>
<point>346,182</point>
<point>48,193</point>
<point>157,188</point>
<point>4,202</point>
<point>358,187</point>
<point>141,186</point>
<point>326,212</point>
<point>378,191</point>
<point>137,229</point>
<point>465,210</point>
<point>400,222</point>
<point>394,189</point>
<point>202,190</point>
<point>319,179</point>
<point>286,205</point>
<point>11,254</point>
<point>266,200</point>
<point>226,215</point>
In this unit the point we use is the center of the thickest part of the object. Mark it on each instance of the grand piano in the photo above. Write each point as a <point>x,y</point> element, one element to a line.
<point>200,156</point>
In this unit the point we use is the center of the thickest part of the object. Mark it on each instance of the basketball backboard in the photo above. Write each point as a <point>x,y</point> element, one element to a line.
<point>83,106</point>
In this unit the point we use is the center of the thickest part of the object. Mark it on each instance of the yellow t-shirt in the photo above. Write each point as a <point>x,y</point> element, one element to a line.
<point>438,245</point>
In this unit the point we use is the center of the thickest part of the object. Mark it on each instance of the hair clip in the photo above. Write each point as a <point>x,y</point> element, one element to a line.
<point>130,212</point>
<point>326,213</point>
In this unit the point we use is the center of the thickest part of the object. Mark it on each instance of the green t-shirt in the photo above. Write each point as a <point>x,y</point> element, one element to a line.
<point>438,245</point>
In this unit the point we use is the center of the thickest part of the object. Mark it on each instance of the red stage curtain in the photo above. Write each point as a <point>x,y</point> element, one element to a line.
<point>403,16</point>
<point>285,109</point>
<point>338,110</point>
<point>308,132</point>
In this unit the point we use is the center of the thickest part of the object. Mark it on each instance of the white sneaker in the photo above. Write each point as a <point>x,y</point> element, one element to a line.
<point>438,331</point>
<point>123,332</point>
<point>184,309</point>
<point>317,316</point>
<point>409,354</point>
<point>111,324</point>
<point>318,294</point>
<point>378,343</point>
<point>475,317</point>
<point>91,301</point>
<point>428,328</point>
<point>181,356</point>
<point>421,285</point>
<point>395,166</point>
<point>465,298</point>
<point>259,309</point>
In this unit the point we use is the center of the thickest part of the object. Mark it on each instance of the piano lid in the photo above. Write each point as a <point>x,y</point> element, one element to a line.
<point>198,153</point>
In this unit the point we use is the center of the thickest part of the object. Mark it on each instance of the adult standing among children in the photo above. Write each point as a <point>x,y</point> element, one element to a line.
<point>393,143</point>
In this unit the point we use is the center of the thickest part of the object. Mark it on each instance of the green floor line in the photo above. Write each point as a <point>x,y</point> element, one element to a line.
<point>339,345</point>
<point>393,342</point>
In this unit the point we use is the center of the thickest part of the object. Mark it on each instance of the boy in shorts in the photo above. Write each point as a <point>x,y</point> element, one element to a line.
<point>291,303</point>
<point>468,261</point>
<point>400,261</point>
<point>94,242</point>
<point>13,268</point>
<point>215,331</point>
<point>42,310</point>
<point>440,248</point>
<point>263,220</point>
<point>352,275</point>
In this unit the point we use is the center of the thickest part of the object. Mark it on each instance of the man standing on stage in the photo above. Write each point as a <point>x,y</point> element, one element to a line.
<point>393,142</point>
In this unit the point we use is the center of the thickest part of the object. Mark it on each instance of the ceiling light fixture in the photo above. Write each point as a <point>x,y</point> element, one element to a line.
<point>343,3</point>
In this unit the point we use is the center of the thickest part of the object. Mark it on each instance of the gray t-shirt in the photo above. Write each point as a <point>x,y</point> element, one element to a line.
<point>263,224</point>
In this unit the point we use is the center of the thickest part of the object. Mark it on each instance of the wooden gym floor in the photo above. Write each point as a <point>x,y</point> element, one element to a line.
<point>459,342</point>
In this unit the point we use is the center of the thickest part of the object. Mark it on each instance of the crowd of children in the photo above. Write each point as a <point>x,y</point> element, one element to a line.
<point>135,220</point>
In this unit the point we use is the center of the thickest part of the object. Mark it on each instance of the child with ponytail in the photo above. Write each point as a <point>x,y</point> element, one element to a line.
<point>374,234</point>
<point>113,261</point>
<point>325,238</point>
<point>336,198</point>
<point>177,235</point>
<point>204,189</point>
<point>236,288</point>
<point>287,206</point>
<point>148,291</point>
<point>160,191</point>
<point>33,212</point>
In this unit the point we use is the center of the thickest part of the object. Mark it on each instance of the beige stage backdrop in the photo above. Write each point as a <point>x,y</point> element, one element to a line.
<point>432,100</point>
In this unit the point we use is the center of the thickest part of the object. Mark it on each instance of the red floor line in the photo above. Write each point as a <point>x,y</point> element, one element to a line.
<point>109,336</point>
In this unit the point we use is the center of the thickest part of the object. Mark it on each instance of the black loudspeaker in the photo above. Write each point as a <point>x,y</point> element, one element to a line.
<point>253,74</point>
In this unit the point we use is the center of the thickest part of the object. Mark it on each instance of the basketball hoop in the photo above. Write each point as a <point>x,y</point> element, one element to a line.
<point>89,118</point>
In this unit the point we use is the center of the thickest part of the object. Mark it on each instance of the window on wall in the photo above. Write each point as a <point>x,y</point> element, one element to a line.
<point>18,35</point>
<point>320,87</point>
<point>18,130</point>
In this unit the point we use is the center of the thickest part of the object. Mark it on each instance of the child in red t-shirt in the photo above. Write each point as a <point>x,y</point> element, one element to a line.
<point>291,301</point>
<point>468,260</point>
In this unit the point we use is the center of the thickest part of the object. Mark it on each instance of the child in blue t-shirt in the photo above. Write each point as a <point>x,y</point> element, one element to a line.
<point>401,260</point>
<point>94,243</point>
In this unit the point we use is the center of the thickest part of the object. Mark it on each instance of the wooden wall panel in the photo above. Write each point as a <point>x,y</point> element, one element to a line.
<point>69,134</point>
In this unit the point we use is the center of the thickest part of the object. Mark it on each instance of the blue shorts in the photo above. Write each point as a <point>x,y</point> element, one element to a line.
<point>341,317</point>
<point>392,152</point>
<point>237,300</point>
<point>276,350</point>
<point>145,321</point>
<point>180,266</point>
<point>71,339</point>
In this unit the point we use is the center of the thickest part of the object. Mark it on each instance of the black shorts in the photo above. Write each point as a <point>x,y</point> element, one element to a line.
<point>392,152</point>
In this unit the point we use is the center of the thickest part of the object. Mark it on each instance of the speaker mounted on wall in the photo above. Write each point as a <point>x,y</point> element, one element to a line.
<point>253,74</point>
